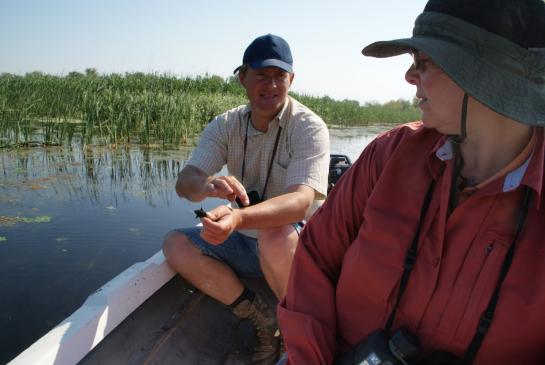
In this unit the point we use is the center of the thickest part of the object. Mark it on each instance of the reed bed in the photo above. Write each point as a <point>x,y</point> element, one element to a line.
<point>87,108</point>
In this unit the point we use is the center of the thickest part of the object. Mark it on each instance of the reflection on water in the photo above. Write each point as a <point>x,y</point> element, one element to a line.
<point>96,176</point>
<point>71,219</point>
<point>351,141</point>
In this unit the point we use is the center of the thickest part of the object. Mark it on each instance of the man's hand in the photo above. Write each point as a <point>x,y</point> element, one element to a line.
<point>219,223</point>
<point>226,187</point>
<point>195,185</point>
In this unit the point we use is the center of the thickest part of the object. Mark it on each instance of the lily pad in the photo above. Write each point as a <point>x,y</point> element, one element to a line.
<point>37,187</point>
<point>7,221</point>
<point>3,239</point>
<point>38,219</point>
<point>134,230</point>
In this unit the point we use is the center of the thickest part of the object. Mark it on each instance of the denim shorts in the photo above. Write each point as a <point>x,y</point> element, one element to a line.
<point>238,251</point>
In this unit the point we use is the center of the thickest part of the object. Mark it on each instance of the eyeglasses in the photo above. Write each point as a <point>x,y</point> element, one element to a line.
<point>419,63</point>
<point>416,60</point>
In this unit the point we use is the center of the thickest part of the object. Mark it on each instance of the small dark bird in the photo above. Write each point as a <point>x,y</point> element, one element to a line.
<point>200,213</point>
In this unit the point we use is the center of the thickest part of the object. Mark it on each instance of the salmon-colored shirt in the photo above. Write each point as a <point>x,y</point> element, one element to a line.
<point>349,262</point>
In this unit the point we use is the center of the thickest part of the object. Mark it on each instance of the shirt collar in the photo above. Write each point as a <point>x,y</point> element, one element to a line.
<point>534,174</point>
<point>445,152</point>
<point>533,164</point>
<point>281,118</point>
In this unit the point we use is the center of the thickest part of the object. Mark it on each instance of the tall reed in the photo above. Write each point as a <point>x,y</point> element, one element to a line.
<point>144,108</point>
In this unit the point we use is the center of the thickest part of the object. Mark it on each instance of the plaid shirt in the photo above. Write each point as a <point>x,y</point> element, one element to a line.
<point>302,155</point>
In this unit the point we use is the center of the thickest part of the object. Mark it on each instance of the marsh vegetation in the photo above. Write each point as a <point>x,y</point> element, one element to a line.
<point>88,108</point>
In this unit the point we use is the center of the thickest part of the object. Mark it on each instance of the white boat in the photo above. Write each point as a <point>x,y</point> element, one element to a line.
<point>149,315</point>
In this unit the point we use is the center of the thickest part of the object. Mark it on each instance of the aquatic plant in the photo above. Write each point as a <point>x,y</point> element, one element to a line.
<point>88,108</point>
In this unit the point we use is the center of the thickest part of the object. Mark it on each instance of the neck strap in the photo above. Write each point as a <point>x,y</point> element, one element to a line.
<point>488,314</point>
<point>270,162</point>
<point>410,257</point>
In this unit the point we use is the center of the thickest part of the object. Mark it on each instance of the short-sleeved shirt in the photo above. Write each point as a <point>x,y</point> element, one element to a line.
<point>301,158</point>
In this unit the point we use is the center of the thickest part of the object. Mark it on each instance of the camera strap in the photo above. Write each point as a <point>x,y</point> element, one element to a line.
<point>488,314</point>
<point>270,162</point>
<point>410,258</point>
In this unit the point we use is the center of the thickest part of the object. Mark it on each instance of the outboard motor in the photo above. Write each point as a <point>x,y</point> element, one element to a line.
<point>338,164</point>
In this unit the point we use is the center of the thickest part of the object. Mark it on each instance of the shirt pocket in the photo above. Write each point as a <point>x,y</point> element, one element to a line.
<point>283,158</point>
<point>277,180</point>
<point>478,283</point>
<point>519,308</point>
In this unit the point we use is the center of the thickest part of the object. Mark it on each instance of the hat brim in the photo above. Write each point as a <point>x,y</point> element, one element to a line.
<point>268,63</point>
<point>479,72</point>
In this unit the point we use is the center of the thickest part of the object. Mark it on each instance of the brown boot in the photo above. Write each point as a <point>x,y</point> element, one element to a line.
<point>263,318</point>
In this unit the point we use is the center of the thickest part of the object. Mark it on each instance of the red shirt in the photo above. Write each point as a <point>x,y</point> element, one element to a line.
<point>349,262</point>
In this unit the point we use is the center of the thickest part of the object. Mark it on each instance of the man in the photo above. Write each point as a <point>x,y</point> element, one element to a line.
<point>277,156</point>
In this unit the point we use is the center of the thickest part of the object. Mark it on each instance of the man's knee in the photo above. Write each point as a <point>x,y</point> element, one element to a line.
<point>177,247</point>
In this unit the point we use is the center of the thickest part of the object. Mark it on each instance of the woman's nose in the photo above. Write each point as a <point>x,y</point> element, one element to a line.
<point>412,76</point>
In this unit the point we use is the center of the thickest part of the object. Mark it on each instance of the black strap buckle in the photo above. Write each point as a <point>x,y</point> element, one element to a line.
<point>410,260</point>
<point>485,322</point>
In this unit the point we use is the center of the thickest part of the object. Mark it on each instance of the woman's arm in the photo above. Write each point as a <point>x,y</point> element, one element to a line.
<point>307,315</point>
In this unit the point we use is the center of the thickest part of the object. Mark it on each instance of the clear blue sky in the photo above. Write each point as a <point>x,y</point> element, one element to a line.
<point>188,38</point>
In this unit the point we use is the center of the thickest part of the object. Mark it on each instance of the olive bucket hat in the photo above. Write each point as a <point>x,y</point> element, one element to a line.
<point>499,73</point>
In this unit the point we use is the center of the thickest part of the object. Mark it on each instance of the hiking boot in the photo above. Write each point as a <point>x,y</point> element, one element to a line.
<point>263,319</point>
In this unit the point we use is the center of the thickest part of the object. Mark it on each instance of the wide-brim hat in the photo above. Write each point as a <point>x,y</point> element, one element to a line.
<point>268,50</point>
<point>500,74</point>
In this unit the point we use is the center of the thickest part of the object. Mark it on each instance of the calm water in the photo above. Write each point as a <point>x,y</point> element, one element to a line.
<point>72,219</point>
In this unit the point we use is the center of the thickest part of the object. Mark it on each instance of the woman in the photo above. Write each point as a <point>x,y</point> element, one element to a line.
<point>438,229</point>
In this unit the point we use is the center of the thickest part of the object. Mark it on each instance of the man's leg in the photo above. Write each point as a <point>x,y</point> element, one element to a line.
<point>211,269</point>
<point>276,249</point>
<point>208,274</point>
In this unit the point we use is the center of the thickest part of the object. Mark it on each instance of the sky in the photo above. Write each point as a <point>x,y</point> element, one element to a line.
<point>189,38</point>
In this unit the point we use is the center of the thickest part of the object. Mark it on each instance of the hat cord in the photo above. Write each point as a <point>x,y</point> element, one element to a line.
<point>458,158</point>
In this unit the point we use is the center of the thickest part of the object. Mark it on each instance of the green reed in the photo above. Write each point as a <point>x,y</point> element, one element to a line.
<point>89,108</point>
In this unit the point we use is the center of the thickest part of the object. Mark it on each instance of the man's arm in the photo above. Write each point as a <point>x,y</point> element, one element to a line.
<point>290,207</point>
<point>287,208</point>
<point>195,185</point>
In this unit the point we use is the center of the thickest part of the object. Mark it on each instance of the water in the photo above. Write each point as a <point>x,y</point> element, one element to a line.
<point>351,141</point>
<point>72,219</point>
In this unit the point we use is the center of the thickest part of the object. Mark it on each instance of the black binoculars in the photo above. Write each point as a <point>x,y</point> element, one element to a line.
<point>402,348</point>
<point>254,199</point>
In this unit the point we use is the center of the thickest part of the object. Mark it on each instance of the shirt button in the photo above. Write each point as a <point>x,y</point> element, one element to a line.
<point>436,262</point>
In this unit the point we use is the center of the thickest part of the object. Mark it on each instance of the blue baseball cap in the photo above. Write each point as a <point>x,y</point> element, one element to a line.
<point>268,50</point>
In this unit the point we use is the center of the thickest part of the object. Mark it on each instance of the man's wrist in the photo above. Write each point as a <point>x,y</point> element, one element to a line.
<point>238,216</point>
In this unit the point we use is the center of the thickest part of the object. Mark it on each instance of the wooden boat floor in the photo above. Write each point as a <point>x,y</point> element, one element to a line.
<point>180,325</point>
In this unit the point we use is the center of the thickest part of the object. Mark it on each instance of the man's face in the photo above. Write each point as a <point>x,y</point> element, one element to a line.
<point>267,89</point>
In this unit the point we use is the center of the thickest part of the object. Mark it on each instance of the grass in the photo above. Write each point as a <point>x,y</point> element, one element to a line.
<point>144,108</point>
